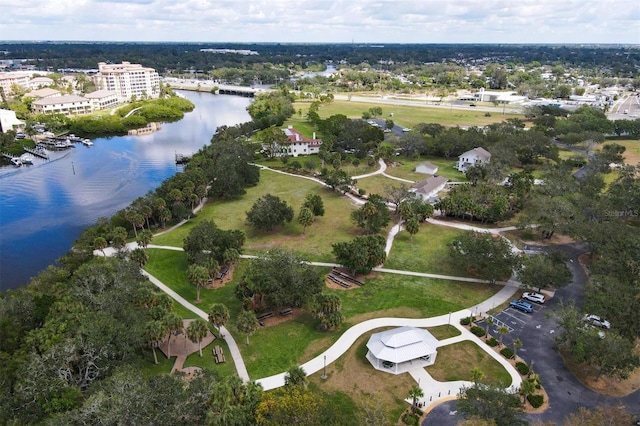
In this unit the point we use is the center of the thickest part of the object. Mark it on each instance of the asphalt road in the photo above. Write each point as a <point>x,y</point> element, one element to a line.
<point>566,393</point>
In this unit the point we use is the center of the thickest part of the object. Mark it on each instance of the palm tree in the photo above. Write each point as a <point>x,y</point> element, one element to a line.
<point>528,387</point>
<point>412,226</point>
<point>173,324</point>
<point>198,276</point>
<point>247,323</point>
<point>155,331</point>
<point>415,393</point>
<point>139,256</point>
<point>296,376</point>
<point>230,256</point>
<point>196,331</point>
<point>502,330</point>
<point>477,375</point>
<point>144,238</point>
<point>487,324</point>
<point>305,218</point>
<point>516,345</point>
<point>100,243</point>
<point>218,315</point>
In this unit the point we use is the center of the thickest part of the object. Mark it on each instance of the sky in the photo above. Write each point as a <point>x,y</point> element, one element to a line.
<point>324,21</point>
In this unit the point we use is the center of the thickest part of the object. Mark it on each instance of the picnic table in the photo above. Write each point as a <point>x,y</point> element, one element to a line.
<point>218,354</point>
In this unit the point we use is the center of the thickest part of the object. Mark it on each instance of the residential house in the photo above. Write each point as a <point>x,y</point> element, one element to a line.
<point>298,144</point>
<point>474,157</point>
<point>427,168</point>
<point>67,105</point>
<point>429,188</point>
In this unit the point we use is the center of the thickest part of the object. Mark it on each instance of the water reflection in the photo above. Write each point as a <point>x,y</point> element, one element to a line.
<point>44,207</point>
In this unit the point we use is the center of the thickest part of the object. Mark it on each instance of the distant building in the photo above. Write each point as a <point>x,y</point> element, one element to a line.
<point>8,79</point>
<point>128,80</point>
<point>474,157</point>
<point>9,121</point>
<point>67,105</point>
<point>43,93</point>
<point>102,99</point>
<point>40,82</point>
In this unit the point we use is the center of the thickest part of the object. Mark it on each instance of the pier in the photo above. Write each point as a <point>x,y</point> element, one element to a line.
<point>182,159</point>
<point>36,152</point>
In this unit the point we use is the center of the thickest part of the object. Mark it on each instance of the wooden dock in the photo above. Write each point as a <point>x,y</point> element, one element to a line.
<point>37,153</point>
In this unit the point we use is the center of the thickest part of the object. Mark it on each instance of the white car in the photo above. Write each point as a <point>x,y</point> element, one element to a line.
<point>597,321</point>
<point>534,297</point>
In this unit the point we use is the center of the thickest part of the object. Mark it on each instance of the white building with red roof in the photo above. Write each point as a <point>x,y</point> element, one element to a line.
<point>299,145</point>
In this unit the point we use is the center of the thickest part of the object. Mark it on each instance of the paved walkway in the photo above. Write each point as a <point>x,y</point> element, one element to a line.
<point>434,391</point>
<point>233,347</point>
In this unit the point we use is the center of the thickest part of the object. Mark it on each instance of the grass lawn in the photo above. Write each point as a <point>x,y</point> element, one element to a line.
<point>409,116</point>
<point>354,376</point>
<point>632,153</point>
<point>428,252</point>
<point>456,361</point>
<point>442,332</point>
<point>315,244</point>
<point>406,169</point>
<point>376,184</point>
<point>409,296</point>
<point>207,361</point>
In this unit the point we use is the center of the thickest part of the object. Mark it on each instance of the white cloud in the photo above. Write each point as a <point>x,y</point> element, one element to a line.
<point>386,21</point>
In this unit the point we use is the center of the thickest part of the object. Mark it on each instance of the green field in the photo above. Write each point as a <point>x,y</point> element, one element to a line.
<point>409,116</point>
<point>405,169</point>
<point>315,244</point>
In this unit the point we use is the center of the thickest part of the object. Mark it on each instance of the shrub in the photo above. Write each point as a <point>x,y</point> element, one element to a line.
<point>535,400</point>
<point>522,368</point>
<point>507,353</point>
<point>478,331</point>
<point>410,419</point>
<point>493,342</point>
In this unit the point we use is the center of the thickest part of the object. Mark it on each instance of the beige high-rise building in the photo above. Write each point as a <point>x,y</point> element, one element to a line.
<point>127,80</point>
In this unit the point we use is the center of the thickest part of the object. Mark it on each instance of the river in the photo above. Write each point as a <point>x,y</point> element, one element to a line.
<point>44,207</point>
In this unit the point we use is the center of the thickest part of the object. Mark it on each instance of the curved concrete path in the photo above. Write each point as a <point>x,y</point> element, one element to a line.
<point>434,391</point>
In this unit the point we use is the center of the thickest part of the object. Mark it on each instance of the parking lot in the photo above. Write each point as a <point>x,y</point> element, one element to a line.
<point>514,320</point>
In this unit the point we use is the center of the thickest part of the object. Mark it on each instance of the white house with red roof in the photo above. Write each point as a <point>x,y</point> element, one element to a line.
<point>299,145</point>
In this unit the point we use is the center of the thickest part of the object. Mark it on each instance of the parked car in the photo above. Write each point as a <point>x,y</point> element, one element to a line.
<point>521,306</point>
<point>533,297</point>
<point>597,321</point>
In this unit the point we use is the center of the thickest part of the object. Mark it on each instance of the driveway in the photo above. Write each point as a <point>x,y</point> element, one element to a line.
<point>537,332</point>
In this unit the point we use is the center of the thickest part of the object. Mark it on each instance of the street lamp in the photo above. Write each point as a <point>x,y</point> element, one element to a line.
<point>324,371</point>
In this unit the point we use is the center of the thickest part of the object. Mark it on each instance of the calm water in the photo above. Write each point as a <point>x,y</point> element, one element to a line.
<point>44,207</point>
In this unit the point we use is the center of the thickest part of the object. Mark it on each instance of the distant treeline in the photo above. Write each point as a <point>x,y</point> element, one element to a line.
<point>609,60</point>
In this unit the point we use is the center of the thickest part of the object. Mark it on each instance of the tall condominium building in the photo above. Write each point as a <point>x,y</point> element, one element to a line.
<point>127,80</point>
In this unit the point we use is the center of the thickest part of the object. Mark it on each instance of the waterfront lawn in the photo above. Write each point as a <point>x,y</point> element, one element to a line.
<point>456,361</point>
<point>314,245</point>
<point>428,252</point>
<point>170,267</point>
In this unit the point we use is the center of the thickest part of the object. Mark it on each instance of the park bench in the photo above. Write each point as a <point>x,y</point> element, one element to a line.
<point>223,272</point>
<point>265,315</point>
<point>348,277</point>
<point>286,311</point>
<point>218,354</point>
<point>339,281</point>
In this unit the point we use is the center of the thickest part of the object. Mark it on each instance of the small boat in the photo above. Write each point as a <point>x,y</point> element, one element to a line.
<point>16,161</point>
<point>87,142</point>
<point>26,159</point>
